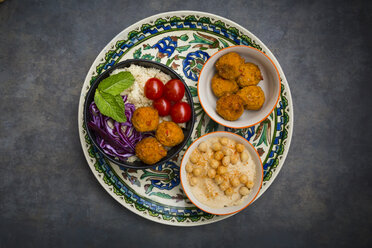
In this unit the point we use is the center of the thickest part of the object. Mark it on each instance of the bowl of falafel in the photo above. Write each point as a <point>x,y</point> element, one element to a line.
<point>139,114</point>
<point>239,86</point>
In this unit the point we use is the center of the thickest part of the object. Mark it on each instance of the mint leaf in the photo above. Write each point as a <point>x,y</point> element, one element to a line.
<point>110,105</point>
<point>120,101</point>
<point>115,84</point>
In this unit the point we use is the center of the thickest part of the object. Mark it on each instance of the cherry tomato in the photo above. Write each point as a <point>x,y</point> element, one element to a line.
<point>154,88</point>
<point>174,90</point>
<point>181,112</point>
<point>162,105</point>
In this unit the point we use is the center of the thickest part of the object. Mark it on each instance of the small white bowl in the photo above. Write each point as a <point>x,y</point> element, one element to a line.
<point>270,86</point>
<point>257,183</point>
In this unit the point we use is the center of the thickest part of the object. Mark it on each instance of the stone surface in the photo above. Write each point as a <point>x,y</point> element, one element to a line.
<point>48,195</point>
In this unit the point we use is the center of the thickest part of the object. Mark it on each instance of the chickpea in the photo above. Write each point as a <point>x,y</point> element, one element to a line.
<point>235,182</point>
<point>226,160</point>
<point>214,163</point>
<point>202,163</point>
<point>224,185</point>
<point>197,172</point>
<point>229,192</point>
<point>189,167</point>
<point>211,173</point>
<point>193,181</point>
<point>234,158</point>
<point>226,151</point>
<point>243,179</point>
<point>218,179</point>
<point>203,147</point>
<point>194,157</point>
<point>239,147</point>
<point>221,170</point>
<point>224,141</point>
<point>244,191</point>
<point>249,184</point>
<point>218,155</point>
<point>216,146</point>
<point>244,156</point>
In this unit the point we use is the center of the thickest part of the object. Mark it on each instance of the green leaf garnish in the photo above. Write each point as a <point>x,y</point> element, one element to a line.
<point>117,83</point>
<point>111,106</point>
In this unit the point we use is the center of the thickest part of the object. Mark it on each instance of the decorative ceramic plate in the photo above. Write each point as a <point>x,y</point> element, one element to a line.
<point>183,40</point>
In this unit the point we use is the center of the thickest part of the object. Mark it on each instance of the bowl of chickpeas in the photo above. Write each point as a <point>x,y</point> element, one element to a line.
<point>221,173</point>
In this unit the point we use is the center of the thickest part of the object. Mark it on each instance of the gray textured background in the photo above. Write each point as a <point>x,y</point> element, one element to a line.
<point>50,198</point>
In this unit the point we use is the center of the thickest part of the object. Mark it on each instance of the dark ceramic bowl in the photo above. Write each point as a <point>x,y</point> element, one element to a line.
<point>148,64</point>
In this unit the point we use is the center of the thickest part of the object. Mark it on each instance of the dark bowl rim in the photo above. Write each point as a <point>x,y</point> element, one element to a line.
<point>122,64</point>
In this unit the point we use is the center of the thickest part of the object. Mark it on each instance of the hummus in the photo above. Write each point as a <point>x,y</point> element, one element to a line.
<point>218,180</point>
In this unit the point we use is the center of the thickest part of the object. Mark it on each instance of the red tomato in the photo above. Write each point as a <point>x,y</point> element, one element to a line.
<point>162,105</point>
<point>181,112</point>
<point>174,90</point>
<point>154,88</point>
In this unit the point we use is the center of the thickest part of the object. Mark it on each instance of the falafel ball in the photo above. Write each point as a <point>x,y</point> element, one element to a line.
<point>145,119</point>
<point>250,75</point>
<point>230,107</point>
<point>221,86</point>
<point>228,65</point>
<point>253,97</point>
<point>169,133</point>
<point>150,151</point>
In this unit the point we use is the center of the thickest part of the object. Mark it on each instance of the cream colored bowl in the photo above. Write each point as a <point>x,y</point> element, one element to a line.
<point>270,86</point>
<point>257,181</point>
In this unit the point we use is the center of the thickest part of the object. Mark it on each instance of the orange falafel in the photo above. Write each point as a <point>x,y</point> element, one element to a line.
<point>221,86</point>
<point>228,65</point>
<point>253,97</point>
<point>250,74</point>
<point>150,151</point>
<point>145,119</point>
<point>169,133</point>
<point>230,107</point>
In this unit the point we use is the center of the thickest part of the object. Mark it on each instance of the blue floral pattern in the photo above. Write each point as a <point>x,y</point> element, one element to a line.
<point>193,63</point>
<point>166,45</point>
<point>163,177</point>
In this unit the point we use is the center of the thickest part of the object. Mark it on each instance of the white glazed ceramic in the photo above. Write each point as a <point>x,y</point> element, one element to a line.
<point>184,41</point>
<point>270,86</point>
<point>257,181</point>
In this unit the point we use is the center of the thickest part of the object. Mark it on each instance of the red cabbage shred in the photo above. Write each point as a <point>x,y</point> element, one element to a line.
<point>119,141</point>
